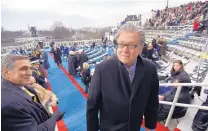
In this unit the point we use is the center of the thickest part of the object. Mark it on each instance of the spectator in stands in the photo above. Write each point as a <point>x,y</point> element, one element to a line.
<point>35,54</point>
<point>154,43</point>
<point>81,58</point>
<point>66,52</point>
<point>104,42</point>
<point>93,45</point>
<point>45,63</point>
<point>57,55</point>
<point>85,76</point>
<point>72,63</point>
<point>178,75</point>
<point>178,72</point>
<point>43,94</point>
<point>144,51</point>
<point>196,25</point>
<point>22,52</point>
<point>150,51</point>
<point>177,15</point>
<point>162,45</point>
<point>21,109</point>
<point>125,88</point>
<point>72,48</point>
<point>62,49</point>
<point>51,45</point>
<point>38,74</point>
<point>158,40</point>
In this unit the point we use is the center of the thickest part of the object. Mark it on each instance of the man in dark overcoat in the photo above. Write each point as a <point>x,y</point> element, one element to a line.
<point>125,88</point>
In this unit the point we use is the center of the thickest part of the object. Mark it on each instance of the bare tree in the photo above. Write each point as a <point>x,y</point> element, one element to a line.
<point>60,31</point>
<point>8,37</point>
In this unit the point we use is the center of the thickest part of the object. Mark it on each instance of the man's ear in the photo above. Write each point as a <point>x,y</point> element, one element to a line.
<point>5,72</point>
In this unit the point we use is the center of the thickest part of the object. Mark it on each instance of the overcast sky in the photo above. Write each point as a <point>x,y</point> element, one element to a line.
<point>17,14</point>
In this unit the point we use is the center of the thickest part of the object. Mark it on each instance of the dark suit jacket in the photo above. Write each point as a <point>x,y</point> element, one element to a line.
<point>72,65</point>
<point>81,58</point>
<point>122,104</point>
<point>57,55</point>
<point>20,113</point>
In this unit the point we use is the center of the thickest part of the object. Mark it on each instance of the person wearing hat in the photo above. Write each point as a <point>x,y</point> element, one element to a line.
<point>35,53</point>
<point>37,73</point>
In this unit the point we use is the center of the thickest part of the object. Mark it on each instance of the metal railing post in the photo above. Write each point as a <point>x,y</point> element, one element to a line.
<point>173,105</point>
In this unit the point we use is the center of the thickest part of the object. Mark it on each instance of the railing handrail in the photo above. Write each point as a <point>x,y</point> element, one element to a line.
<point>184,105</point>
<point>183,84</point>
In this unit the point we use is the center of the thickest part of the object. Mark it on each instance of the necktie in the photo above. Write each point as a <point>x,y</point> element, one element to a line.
<point>31,94</point>
<point>131,74</point>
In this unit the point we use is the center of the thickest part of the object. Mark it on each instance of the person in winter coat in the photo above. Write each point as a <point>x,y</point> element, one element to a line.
<point>57,55</point>
<point>37,73</point>
<point>124,90</point>
<point>178,75</point>
<point>45,64</point>
<point>72,63</point>
<point>81,58</point>
<point>86,77</point>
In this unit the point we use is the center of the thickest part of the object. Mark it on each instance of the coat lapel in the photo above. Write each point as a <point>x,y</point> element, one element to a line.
<point>34,92</point>
<point>138,78</point>
<point>14,88</point>
<point>125,81</point>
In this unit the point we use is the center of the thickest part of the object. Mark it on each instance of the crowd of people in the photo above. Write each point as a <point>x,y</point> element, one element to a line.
<point>132,18</point>
<point>76,62</point>
<point>182,15</point>
<point>117,83</point>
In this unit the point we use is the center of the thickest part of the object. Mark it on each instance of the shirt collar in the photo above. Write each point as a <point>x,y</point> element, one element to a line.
<point>22,87</point>
<point>132,68</point>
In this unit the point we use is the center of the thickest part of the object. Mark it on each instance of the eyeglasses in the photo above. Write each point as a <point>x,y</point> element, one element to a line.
<point>129,46</point>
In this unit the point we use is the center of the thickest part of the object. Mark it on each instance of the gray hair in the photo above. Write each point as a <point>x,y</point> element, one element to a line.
<point>8,61</point>
<point>131,28</point>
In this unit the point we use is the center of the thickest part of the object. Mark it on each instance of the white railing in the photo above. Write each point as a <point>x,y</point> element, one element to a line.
<point>180,27</point>
<point>174,103</point>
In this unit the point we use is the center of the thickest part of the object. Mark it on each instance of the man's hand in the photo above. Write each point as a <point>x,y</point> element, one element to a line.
<point>161,98</point>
